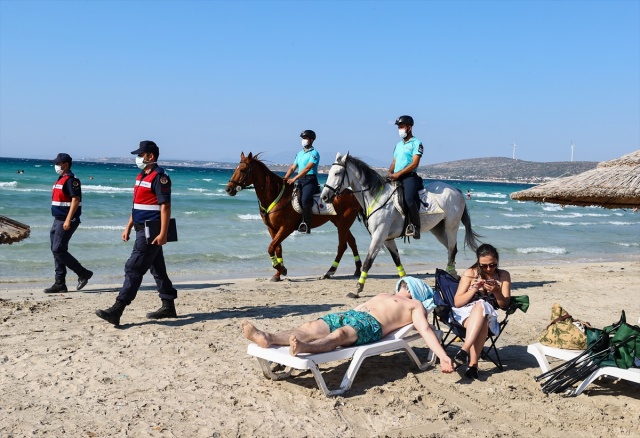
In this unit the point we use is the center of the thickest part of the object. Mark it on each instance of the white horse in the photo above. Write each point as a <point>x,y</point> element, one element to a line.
<point>383,220</point>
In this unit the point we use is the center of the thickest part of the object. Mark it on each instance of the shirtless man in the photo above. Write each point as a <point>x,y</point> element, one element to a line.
<point>368,322</point>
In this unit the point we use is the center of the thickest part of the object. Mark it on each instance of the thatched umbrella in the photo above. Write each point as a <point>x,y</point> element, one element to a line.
<point>12,231</point>
<point>612,184</point>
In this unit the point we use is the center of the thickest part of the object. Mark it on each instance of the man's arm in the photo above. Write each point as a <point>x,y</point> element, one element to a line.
<point>75,202</point>
<point>165,215</point>
<point>290,171</point>
<point>420,322</point>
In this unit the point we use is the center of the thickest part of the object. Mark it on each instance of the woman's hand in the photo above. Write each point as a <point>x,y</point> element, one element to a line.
<point>492,286</point>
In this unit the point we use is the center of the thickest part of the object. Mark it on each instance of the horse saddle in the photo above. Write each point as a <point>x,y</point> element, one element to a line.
<point>428,203</point>
<point>319,207</point>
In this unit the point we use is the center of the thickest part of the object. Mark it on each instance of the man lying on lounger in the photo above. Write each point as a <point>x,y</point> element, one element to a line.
<point>367,323</point>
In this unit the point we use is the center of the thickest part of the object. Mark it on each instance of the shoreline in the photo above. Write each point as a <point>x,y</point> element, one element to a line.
<point>385,269</point>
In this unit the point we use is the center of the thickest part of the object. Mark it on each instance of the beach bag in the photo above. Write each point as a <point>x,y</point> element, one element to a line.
<point>563,331</point>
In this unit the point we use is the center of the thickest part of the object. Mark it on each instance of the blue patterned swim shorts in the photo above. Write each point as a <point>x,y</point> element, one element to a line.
<point>366,326</point>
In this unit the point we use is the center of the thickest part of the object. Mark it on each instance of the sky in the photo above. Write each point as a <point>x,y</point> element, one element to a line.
<point>207,80</point>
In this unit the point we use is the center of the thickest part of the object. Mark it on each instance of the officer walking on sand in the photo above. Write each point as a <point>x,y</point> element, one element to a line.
<point>66,208</point>
<point>151,202</point>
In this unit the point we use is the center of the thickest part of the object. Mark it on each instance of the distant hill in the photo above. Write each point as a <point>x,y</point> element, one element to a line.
<point>504,169</point>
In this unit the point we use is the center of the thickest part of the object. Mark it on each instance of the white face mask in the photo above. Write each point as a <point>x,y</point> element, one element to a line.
<point>141,163</point>
<point>402,133</point>
<point>58,169</point>
<point>305,143</point>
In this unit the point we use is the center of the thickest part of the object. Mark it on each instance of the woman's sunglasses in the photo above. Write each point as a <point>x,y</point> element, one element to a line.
<point>487,265</point>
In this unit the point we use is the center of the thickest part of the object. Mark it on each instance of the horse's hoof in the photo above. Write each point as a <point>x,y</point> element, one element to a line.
<point>275,278</point>
<point>284,271</point>
<point>352,295</point>
<point>326,276</point>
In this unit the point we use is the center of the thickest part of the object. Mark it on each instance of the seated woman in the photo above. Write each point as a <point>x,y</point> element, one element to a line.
<point>483,288</point>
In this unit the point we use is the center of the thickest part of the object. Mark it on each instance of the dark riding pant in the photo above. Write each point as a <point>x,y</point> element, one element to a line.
<point>308,187</point>
<point>411,185</point>
<point>145,257</point>
<point>60,248</point>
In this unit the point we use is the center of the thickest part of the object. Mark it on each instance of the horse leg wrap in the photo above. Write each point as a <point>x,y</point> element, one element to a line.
<point>401,272</point>
<point>334,265</point>
<point>274,261</point>
<point>356,258</point>
<point>363,277</point>
<point>451,268</point>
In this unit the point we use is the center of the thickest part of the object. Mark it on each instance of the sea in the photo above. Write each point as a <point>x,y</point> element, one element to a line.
<point>223,237</point>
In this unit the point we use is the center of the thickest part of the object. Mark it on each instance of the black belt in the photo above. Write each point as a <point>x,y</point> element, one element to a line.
<point>138,227</point>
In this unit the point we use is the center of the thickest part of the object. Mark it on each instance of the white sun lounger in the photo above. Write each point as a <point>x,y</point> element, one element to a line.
<point>540,352</point>
<point>397,340</point>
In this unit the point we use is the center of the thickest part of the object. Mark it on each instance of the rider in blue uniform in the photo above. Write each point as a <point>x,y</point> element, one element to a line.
<point>406,159</point>
<point>306,162</point>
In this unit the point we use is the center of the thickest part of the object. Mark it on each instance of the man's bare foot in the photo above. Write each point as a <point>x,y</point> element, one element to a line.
<point>296,347</point>
<point>253,334</point>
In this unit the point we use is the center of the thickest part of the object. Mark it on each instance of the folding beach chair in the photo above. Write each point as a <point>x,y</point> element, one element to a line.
<point>444,293</point>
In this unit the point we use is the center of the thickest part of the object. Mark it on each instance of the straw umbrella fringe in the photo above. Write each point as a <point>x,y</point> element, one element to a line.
<point>12,231</point>
<point>612,184</point>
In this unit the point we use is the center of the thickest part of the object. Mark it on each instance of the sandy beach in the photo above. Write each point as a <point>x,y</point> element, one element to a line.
<point>63,371</point>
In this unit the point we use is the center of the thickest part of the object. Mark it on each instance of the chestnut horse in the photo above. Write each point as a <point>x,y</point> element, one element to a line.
<point>276,209</point>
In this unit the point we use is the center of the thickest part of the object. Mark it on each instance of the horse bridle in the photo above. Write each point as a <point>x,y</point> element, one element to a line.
<point>338,189</point>
<point>245,175</point>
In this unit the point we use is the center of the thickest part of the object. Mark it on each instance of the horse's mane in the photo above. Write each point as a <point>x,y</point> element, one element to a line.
<point>257,158</point>
<point>372,178</point>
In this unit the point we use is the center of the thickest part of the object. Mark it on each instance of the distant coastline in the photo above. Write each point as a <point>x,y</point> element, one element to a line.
<point>491,169</point>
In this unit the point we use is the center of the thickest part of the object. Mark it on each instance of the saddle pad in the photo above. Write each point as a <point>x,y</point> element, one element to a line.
<point>432,206</point>
<point>319,207</point>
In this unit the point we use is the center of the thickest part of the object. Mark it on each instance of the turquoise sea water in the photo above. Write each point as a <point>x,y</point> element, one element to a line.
<point>224,237</point>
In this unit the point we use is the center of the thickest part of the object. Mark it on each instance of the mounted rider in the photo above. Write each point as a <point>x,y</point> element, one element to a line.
<point>306,162</point>
<point>406,159</point>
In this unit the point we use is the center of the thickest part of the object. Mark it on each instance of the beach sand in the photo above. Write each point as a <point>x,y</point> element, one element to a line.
<point>63,371</point>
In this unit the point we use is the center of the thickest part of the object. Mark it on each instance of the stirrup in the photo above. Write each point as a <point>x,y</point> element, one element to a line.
<point>303,228</point>
<point>410,230</point>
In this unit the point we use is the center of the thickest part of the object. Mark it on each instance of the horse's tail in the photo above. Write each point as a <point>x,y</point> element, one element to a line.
<point>471,238</point>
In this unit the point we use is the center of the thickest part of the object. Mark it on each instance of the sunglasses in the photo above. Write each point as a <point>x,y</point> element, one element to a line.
<point>487,265</point>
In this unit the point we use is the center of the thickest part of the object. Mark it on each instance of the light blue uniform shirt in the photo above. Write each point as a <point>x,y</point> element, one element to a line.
<point>404,152</point>
<point>305,157</point>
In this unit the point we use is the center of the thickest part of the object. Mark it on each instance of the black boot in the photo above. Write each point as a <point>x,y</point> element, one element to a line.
<point>307,215</point>
<point>84,279</point>
<point>168,310</point>
<point>113,313</point>
<point>414,215</point>
<point>58,286</point>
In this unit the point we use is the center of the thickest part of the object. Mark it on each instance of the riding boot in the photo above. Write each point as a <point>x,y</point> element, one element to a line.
<point>168,310</point>
<point>414,215</point>
<point>307,215</point>
<point>113,313</point>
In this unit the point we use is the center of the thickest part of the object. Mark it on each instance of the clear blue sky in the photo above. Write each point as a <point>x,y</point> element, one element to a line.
<point>209,79</point>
